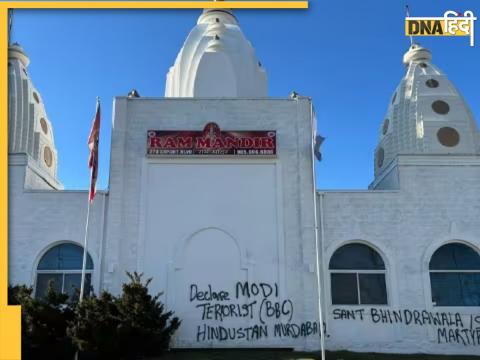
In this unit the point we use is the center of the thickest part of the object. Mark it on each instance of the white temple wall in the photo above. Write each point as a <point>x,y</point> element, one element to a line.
<point>435,205</point>
<point>259,211</point>
<point>40,219</point>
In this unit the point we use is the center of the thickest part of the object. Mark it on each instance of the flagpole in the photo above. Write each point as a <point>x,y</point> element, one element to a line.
<point>318,253</point>
<point>84,263</point>
<point>93,139</point>
<point>85,253</point>
<point>407,9</point>
<point>10,24</point>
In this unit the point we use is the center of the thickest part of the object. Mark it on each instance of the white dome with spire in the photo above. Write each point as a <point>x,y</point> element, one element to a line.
<point>426,115</point>
<point>30,131</point>
<point>216,60</point>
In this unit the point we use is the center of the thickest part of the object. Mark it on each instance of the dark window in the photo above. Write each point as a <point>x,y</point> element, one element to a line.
<point>455,256</point>
<point>455,276</point>
<point>448,136</point>
<point>47,156</point>
<point>344,289</point>
<point>440,107</point>
<point>356,257</point>
<point>35,96</point>
<point>432,83</point>
<point>71,284</point>
<point>64,257</point>
<point>380,157</point>
<point>373,289</point>
<point>357,276</point>
<point>62,266</point>
<point>423,65</point>
<point>394,97</point>
<point>386,123</point>
<point>43,125</point>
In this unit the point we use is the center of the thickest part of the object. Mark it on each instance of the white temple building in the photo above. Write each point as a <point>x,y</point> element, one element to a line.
<point>212,193</point>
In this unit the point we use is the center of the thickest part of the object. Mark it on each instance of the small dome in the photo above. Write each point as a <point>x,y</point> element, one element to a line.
<point>216,60</point>
<point>15,51</point>
<point>224,16</point>
<point>417,53</point>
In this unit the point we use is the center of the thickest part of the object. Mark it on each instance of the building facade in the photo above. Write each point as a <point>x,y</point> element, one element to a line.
<point>212,194</point>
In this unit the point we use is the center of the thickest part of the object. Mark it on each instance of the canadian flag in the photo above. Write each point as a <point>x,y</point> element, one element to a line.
<point>93,158</point>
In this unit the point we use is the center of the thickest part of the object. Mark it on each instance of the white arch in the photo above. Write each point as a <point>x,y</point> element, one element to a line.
<point>179,259</point>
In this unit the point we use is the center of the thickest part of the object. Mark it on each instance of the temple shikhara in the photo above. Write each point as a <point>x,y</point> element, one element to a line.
<point>212,194</point>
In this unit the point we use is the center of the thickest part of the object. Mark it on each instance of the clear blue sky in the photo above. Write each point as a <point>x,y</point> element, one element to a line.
<point>346,55</point>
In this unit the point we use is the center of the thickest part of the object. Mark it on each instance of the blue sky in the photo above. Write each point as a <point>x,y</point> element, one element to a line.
<point>346,55</point>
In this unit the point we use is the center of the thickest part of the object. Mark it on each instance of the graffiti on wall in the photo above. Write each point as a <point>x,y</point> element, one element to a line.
<point>450,327</point>
<point>257,304</point>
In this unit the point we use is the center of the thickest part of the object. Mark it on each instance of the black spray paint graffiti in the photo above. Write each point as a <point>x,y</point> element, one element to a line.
<point>451,328</point>
<point>260,303</point>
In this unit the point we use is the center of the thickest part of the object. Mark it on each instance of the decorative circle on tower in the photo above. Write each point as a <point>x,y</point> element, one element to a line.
<point>380,157</point>
<point>44,126</point>
<point>385,126</point>
<point>35,96</point>
<point>48,156</point>
<point>448,136</point>
<point>432,83</point>
<point>440,107</point>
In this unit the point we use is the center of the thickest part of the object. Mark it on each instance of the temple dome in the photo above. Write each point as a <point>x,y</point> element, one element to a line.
<point>426,116</point>
<point>30,131</point>
<point>216,60</point>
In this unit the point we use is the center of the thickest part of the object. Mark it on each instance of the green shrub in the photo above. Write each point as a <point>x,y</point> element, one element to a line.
<point>44,323</point>
<point>130,326</point>
<point>145,329</point>
<point>95,327</point>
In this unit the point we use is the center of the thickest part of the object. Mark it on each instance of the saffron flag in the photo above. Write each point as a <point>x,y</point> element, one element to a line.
<point>93,147</point>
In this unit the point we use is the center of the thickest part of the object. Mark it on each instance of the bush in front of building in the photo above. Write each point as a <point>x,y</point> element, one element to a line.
<point>130,326</point>
<point>94,329</point>
<point>146,328</point>
<point>44,323</point>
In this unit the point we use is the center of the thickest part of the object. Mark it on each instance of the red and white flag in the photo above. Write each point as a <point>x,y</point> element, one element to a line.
<point>93,146</point>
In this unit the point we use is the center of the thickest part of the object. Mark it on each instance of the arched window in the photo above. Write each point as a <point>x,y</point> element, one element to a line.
<point>357,274</point>
<point>62,265</point>
<point>455,276</point>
